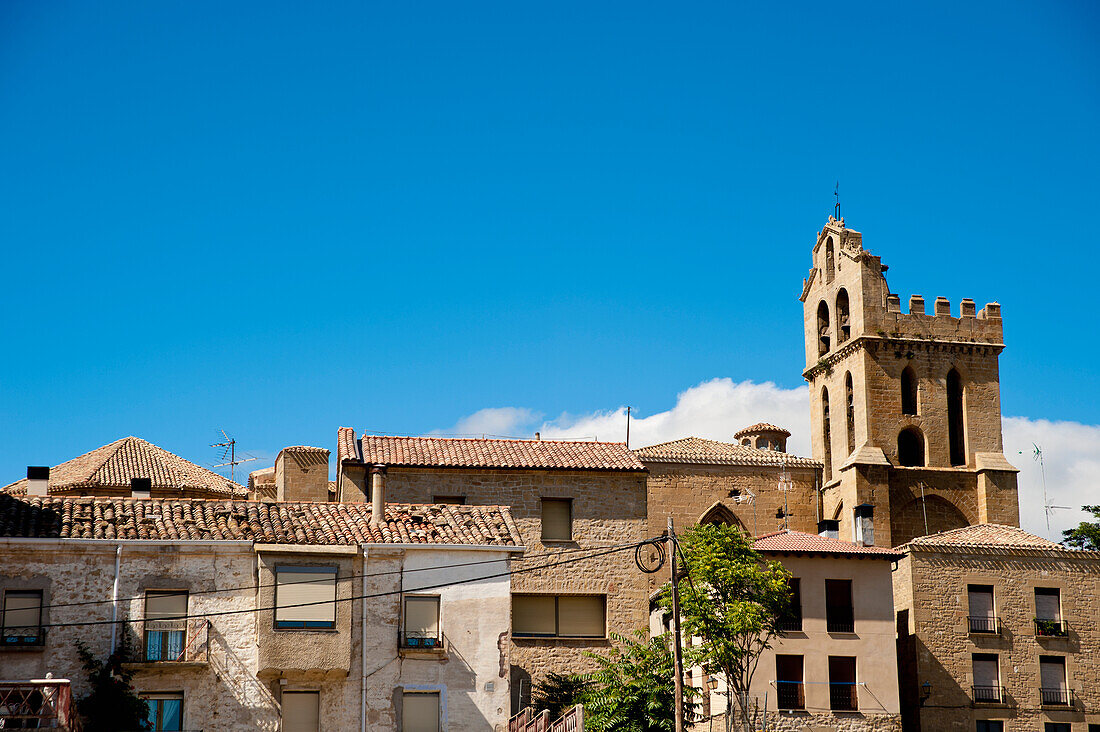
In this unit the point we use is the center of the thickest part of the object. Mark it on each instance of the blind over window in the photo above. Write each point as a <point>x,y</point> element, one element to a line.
<point>533,615</point>
<point>557,524</point>
<point>1047,606</point>
<point>165,605</point>
<point>422,617</point>
<point>581,615</point>
<point>420,712</point>
<point>1052,672</point>
<point>295,585</point>
<point>22,609</point>
<point>981,601</point>
<point>985,670</point>
<point>301,711</point>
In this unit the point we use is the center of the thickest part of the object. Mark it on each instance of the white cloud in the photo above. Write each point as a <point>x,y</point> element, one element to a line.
<point>717,408</point>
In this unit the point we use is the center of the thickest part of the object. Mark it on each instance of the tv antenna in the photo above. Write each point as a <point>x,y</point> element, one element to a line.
<point>229,454</point>
<point>786,485</point>
<point>1048,507</point>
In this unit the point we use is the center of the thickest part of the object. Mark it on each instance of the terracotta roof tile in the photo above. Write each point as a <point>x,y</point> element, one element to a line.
<point>761,427</point>
<point>798,541</point>
<point>696,450</point>
<point>112,466</point>
<point>985,536</point>
<point>258,521</point>
<point>493,453</point>
<point>345,444</point>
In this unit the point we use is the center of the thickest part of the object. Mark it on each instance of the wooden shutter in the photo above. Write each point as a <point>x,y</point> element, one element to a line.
<point>301,711</point>
<point>557,523</point>
<point>422,617</point>
<point>420,712</point>
<point>533,615</point>
<point>165,605</point>
<point>1052,672</point>
<point>296,585</point>
<point>1047,606</point>
<point>981,601</point>
<point>985,670</point>
<point>582,615</point>
<point>22,609</point>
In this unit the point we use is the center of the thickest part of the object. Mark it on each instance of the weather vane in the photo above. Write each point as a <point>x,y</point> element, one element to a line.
<point>836,206</point>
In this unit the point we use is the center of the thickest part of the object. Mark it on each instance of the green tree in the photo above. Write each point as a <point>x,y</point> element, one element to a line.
<point>733,599</point>
<point>1087,534</point>
<point>557,693</point>
<point>633,690</point>
<point>112,704</point>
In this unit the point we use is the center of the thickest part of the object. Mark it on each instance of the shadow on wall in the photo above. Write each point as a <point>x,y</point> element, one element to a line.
<point>521,688</point>
<point>248,699</point>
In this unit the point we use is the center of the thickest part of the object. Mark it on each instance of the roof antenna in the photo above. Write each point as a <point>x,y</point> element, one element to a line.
<point>628,428</point>
<point>1048,507</point>
<point>229,452</point>
<point>836,206</point>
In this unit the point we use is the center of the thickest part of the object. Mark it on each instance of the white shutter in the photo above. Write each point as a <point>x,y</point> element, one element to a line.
<point>1047,606</point>
<point>582,615</point>
<point>533,615</point>
<point>421,617</point>
<point>420,712</point>
<point>22,609</point>
<point>165,606</point>
<point>557,524</point>
<point>301,711</point>
<point>295,586</point>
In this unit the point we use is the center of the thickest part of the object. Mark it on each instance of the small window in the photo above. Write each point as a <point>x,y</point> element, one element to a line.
<point>22,618</point>
<point>839,614</point>
<point>792,621</point>
<point>420,711</point>
<point>301,711</point>
<point>850,412</point>
<point>165,711</point>
<point>909,391</point>
<point>1061,727</point>
<point>842,684</point>
<point>911,448</point>
<point>956,419</point>
<point>990,725</point>
<point>982,618</point>
<point>826,434</point>
<point>421,623</point>
<point>823,340</point>
<point>450,500</point>
<point>165,625</point>
<point>557,519</point>
<point>574,616</point>
<point>788,682</point>
<point>843,319</point>
<point>305,597</point>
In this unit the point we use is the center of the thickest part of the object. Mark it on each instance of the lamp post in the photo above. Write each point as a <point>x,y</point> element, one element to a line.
<point>712,686</point>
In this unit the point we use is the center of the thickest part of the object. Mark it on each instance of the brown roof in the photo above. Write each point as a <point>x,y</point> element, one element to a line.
<point>257,521</point>
<point>449,452</point>
<point>113,465</point>
<point>711,452</point>
<point>345,444</point>
<point>801,542</point>
<point>985,536</point>
<point>761,427</point>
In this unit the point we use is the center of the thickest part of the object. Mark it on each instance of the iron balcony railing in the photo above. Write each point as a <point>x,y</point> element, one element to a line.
<point>790,624</point>
<point>790,695</point>
<point>168,641</point>
<point>38,704</point>
<point>843,697</point>
<point>420,641</point>
<point>984,625</point>
<point>988,694</point>
<point>20,636</point>
<point>1051,628</point>
<point>1055,697</point>
<point>840,620</point>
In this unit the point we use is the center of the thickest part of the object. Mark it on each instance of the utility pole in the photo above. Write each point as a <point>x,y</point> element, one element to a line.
<point>677,652</point>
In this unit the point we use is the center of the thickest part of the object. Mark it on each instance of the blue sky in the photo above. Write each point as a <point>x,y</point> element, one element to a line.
<point>279,218</point>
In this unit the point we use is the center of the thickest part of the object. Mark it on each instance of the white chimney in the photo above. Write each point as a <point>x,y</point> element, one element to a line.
<point>38,481</point>
<point>377,495</point>
<point>141,487</point>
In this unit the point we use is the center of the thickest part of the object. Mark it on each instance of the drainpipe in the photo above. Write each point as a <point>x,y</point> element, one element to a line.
<point>363,645</point>
<point>377,495</point>
<point>114,599</point>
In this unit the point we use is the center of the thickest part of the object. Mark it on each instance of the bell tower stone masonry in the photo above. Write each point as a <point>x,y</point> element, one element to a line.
<point>905,407</point>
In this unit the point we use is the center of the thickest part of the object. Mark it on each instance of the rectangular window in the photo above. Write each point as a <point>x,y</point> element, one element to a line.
<point>22,618</point>
<point>422,622</point>
<point>165,626</point>
<point>1052,681</point>
<point>788,682</point>
<point>839,614</point>
<point>557,519</point>
<point>305,597</point>
<point>981,617</point>
<point>165,711</point>
<point>450,500</point>
<point>420,711</point>
<point>1059,727</point>
<point>792,621</point>
<point>842,683</point>
<point>301,711</point>
<point>1048,612</point>
<point>574,616</point>
<point>990,725</point>
<point>987,678</point>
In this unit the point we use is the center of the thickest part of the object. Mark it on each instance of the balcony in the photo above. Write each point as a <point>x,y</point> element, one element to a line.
<point>843,697</point>
<point>790,625</point>
<point>982,625</point>
<point>170,642</point>
<point>38,704</point>
<point>29,636</point>
<point>420,643</point>
<point>1051,628</point>
<point>790,695</point>
<point>988,694</point>
<point>1055,697</point>
<point>840,620</point>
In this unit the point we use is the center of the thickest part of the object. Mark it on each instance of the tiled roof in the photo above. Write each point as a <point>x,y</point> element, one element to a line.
<point>508,454</point>
<point>307,449</point>
<point>761,427</point>
<point>798,541</point>
<point>258,521</point>
<point>113,465</point>
<point>711,452</point>
<point>985,536</point>
<point>345,444</point>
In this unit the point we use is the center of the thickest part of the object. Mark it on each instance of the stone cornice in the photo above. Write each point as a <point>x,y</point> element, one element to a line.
<point>902,345</point>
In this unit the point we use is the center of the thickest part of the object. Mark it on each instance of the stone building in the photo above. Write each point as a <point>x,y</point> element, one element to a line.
<point>905,407</point>
<point>998,631</point>
<point>241,615</point>
<point>584,501</point>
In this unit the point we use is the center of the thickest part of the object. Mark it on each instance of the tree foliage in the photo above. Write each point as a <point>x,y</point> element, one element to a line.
<point>633,690</point>
<point>1087,534</point>
<point>111,704</point>
<point>557,693</point>
<point>733,599</point>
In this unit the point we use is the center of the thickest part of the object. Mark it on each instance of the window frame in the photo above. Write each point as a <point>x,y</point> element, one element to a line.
<point>164,696</point>
<point>301,692</point>
<point>437,693</point>
<point>542,519</point>
<point>39,637</point>
<point>306,625</point>
<point>438,621</point>
<point>557,616</point>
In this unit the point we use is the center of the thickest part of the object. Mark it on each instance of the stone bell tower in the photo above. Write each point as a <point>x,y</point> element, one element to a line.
<point>905,407</point>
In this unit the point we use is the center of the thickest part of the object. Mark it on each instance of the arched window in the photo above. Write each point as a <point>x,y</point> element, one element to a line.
<point>843,324</point>
<point>829,260</point>
<point>761,443</point>
<point>850,412</point>
<point>822,329</point>
<point>720,514</point>
<point>956,436</point>
<point>825,434</point>
<point>908,391</point>
<point>746,442</point>
<point>911,448</point>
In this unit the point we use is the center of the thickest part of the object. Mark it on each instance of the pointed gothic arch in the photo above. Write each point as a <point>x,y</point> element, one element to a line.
<point>843,317</point>
<point>824,342</point>
<point>909,522</point>
<point>720,513</point>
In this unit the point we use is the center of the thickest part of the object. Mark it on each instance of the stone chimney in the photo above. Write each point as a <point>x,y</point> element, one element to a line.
<point>301,474</point>
<point>141,487</point>
<point>38,481</point>
<point>377,495</point>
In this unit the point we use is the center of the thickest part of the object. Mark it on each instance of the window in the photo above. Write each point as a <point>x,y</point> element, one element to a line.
<point>421,623</point>
<point>420,711</point>
<point>822,329</point>
<point>990,725</point>
<point>842,683</point>
<point>911,448</point>
<point>580,616</point>
<point>829,260</point>
<point>826,434</point>
<point>863,524</point>
<point>165,625</point>
<point>839,615</point>
<point>1052,681</point>
<point>987,679</point>
<point>301,711</point>
<point>1061,727</point>
<point>792,621</point>
<point>22,618</point>
<point>909,391</point>
<point>297,586</point>
<point>955,427</point>
<point>850,412</point>
<point>981,617</point>
<point>844,326</point>
<point>450,500</point>
<point>165,711</point>
<point>788,682</point>
<point>1048,612</point>
<point>557,519</point>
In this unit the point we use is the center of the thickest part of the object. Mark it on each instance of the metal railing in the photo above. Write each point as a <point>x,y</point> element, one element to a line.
<point>840,620</point>
<point>420,641</point>
<point>790,695</point>
<point>843,696</point>
<point>15,636</point>
<point>1051,628</point>
<point>790,624</point>
<point>983,625</point>
<point>988,694</point>
<point>168,641</point>
<point>38,704</point>
<point>1055,697</point>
